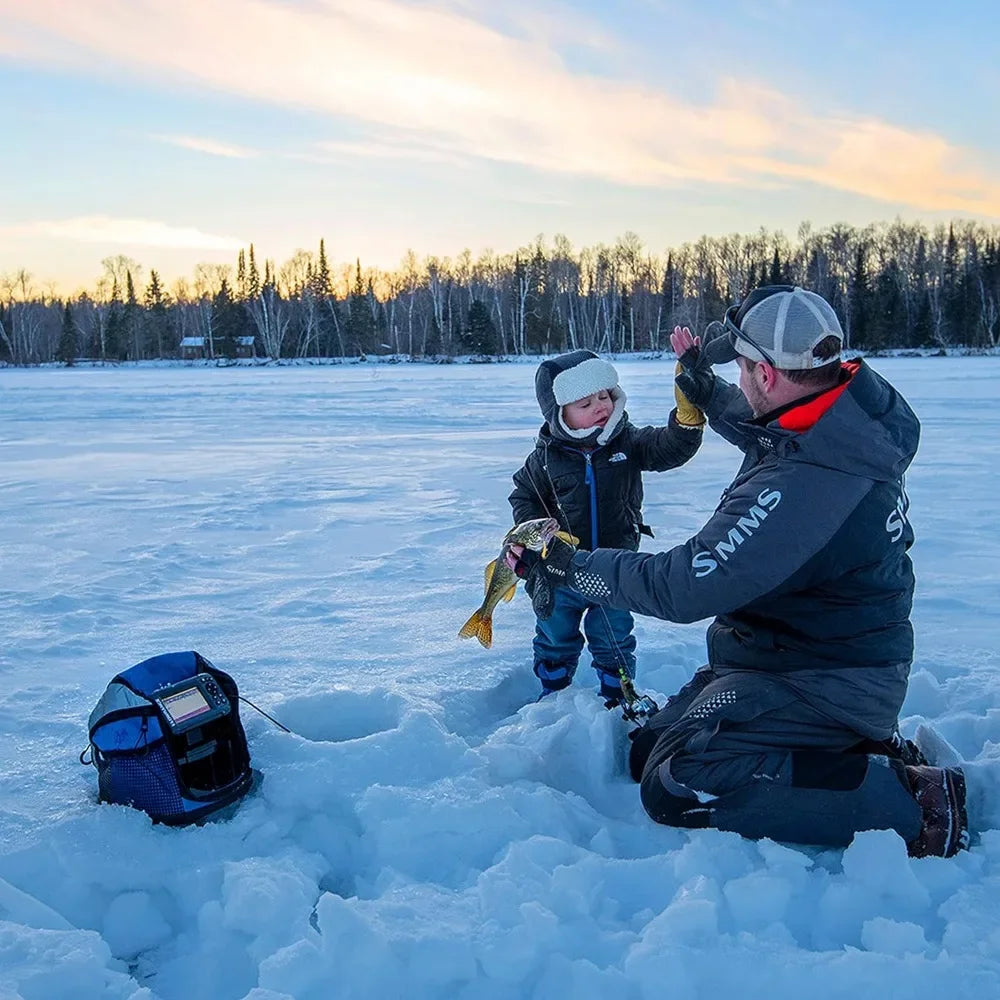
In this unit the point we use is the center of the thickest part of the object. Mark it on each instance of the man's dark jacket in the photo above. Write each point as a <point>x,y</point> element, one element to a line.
<point>804,563</point>
<point>585,484</point>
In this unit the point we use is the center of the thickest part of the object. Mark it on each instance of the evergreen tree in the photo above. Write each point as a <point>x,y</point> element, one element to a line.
<point>227,321</point>
<point>966,324</point>
<point>713,304</point>
<point>379,318</point>
<point>952,319</point>
<point>454,318</point>
<point>859,304</point>
<point>130,320</point>
<point>914,292</point>
<point>66,352</point>
<point>241,275</point>
<point>922,334</point>
<point>157,318</point>
<point>480,334</point>
<point>361,323</point>
<point>888,313</point>
<point>113,348</point>
<point>321,288</point>
<point>778,275</point>
<point>114,334</point>
<point>333,324</point>
<point>321,284</point>
<point>253,278</point>
<point>538,305</point>
<point>434,345</point>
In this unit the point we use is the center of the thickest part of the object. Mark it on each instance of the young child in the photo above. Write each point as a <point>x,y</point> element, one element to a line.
<point>586,471</point>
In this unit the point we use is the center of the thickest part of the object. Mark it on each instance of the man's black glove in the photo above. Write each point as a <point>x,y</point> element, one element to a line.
<point>542,576</point>
<point>695,379</point>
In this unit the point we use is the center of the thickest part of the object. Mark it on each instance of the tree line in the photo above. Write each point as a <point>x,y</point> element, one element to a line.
<point>894,285</point>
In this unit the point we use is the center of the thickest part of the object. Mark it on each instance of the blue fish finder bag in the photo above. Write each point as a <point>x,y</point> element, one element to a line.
<point>166,738</point>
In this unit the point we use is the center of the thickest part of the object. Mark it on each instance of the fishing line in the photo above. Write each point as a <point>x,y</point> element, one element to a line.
<point>620,656</point>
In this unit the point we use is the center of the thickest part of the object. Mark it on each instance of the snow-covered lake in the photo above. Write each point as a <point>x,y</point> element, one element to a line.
<point>427,830</point>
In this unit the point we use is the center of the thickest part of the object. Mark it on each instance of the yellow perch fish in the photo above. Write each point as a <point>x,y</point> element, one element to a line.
<point>500,580</point>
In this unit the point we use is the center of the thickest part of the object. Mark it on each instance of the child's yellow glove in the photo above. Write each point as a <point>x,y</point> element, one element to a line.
<point>688,415</point>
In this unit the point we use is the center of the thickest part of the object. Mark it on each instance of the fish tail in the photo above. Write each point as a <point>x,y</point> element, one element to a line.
<point>479,625</point>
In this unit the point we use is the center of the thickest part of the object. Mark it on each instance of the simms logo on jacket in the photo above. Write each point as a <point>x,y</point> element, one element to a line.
<point>704,563</point>
<point>895,523</point>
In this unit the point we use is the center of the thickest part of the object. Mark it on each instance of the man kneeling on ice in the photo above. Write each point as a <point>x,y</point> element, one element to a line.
<point>790,730</point>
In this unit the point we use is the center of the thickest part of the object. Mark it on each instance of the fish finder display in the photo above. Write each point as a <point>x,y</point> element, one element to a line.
<point>190,704</point>
<point>184,705</point>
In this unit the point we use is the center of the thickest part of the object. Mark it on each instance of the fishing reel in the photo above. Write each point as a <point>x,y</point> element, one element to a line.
<point>640,710</point>
<point>636,707</point>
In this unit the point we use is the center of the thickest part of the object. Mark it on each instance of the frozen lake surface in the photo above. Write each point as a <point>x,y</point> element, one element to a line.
<point>426,830</point>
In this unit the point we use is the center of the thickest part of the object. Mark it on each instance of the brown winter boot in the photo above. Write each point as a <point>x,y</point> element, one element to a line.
<point>940,793</point>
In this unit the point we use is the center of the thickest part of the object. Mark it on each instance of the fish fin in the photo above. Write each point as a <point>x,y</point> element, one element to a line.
<point>480,626</point>
<point>567,537</point>
<point>509,596</point>
<point>485,634</point>
<point>488,575</point>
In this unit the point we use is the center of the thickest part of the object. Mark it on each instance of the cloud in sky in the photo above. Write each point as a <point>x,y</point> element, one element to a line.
<point>891,164</point>
<point>383,148</point>
<point>125,232</point>
<point>210,146</point>
<point>442,82</point>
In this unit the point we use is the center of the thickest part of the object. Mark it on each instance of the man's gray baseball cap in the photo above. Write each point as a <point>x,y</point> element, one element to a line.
<point>779,324</point>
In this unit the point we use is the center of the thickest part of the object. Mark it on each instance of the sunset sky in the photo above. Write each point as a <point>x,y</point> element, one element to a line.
<point>178,131</point>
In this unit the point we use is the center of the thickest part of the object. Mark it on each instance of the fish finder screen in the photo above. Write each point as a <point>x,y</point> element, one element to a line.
<point>185,705</point>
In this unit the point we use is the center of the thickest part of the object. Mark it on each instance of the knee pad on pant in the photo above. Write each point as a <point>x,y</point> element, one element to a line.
<point>671,803</point>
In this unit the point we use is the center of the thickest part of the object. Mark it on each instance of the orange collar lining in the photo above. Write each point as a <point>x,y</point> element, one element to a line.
<point>803,418</point>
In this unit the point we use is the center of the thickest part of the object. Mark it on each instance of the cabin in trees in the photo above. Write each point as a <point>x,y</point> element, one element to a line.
<point>193,347</point>
<point>246,347</point>
<point>198,347</point>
